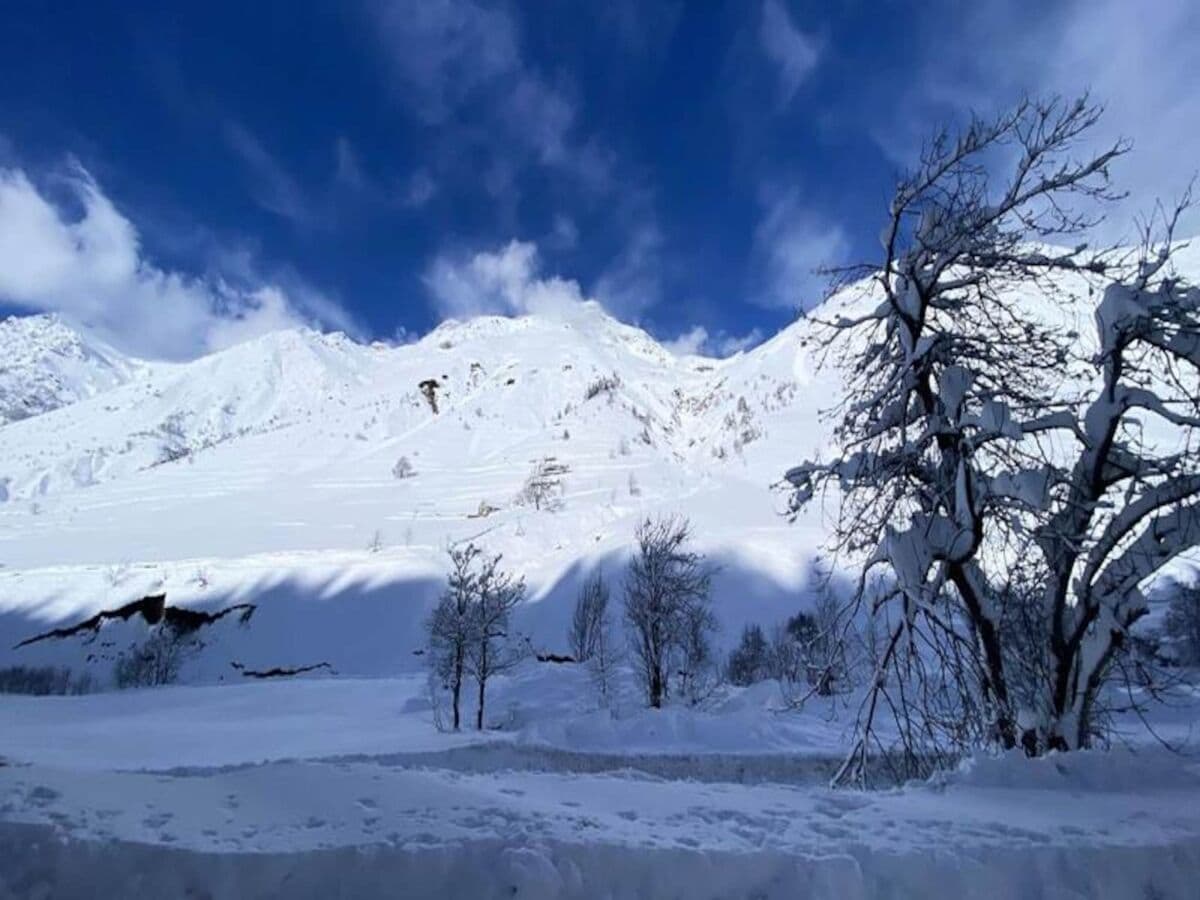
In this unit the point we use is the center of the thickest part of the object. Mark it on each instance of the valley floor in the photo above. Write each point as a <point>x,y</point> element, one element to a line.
<point>333,787</point>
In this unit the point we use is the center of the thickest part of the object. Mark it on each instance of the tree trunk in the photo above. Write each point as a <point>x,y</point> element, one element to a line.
<point>456,687</point>
<point>656,689</point>
<point>482,676</point>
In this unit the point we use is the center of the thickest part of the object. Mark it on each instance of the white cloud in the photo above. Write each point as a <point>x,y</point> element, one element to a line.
<point>696,341</point>
<point>793,53</point>
<point>1141,62</point>
<point>509,281</point>
<point>1138,60</point>
<point>729,344</point>
<point>791,245</point>
<point>91,269</point>
<point>690,343</point>
<point>504,282</point>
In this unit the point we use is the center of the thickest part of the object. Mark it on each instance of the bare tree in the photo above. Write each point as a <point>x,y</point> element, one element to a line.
<point>697,670</point>
<point>493,650</point>
<point>665,587</point>
<point>452,626</point>
<point>985,461</point>
<point>403,468</point>
<point>543,487</point>
<point>591,608</point>
<point>750,661</point>
<point>375,545</point>
<point>606,656</point>
<point>157,660</point>
<point>1182,622</point>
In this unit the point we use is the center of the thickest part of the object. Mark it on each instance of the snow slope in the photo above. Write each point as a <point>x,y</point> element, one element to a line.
<point>268,467</point>
<point>266,472</point>
<point>45,365</point>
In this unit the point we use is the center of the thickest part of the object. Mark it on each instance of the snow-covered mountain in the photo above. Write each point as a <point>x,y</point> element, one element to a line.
<point>306,466</point>
<point>45,365</point>
<point>277,458</point>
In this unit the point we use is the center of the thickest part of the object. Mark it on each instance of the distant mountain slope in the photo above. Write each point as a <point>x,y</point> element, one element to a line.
<point>45,365</point>
<point>277,459</point>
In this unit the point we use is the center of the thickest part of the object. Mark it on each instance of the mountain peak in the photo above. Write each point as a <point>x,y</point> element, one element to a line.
<point>48,364</point>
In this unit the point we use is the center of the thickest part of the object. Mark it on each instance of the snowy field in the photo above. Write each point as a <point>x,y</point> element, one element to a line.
<point>339,787</point>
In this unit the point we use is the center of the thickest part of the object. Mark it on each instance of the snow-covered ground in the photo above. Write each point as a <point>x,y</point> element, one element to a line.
<point>340,787</point>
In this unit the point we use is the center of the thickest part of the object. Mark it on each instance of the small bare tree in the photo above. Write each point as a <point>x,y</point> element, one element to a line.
<point>750,661</point>
<point>666,596</point>
<point>493,650</point>
<point>591,608</point>
<point>1182,623</point>
<point>810,651</point>
<point>403,469</point>
<point>452,626</point>
<point>157,660</point>
<point>698,671</point>
<point>543,488</point>
<point>606,656</point>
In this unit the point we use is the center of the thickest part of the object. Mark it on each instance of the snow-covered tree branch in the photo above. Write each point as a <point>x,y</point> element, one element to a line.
<point>994,460</point>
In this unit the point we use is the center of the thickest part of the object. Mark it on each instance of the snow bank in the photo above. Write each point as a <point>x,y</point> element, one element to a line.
<point>41,864</point>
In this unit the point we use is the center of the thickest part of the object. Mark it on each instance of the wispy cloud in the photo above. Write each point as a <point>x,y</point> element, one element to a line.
<point>418,189</point>
<point>633,281</point>
<point>91,269</point>
<point>1138,62</point>
<point>793,53</point>
<point>510,281</point>
<point>271,185</point>
<point>445,51</point>
<point>451,56</point>
<point>792,244</point>
<point>507,281</point>
<point>697,341</point>
<point>348,171</point>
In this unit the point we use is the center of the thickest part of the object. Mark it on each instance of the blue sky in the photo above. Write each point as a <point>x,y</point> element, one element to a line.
<point>179,179</point>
